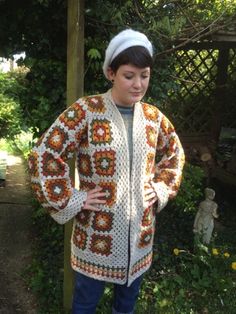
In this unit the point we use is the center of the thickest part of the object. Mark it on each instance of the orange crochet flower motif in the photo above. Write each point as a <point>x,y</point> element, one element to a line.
<point>95,104</point>
<point>87,185</point>
<point>72,116</point>
<point>165,176</point>
<point>151,134</point>
<point>68,152</point>
<point>84,165</point>
<point>103,221</point>
<point>101,132</point>
<point>101,244</point>
<point>58,191</point>
<point>33,164</point>
<point>104,162</point>
<point>110,189</point>
<point>82,137</point>
<point>83,217</point>
<point>52,166</point>
<point>166,126</point>
<point>150,163</point>
<point>147,217</point>
<point>36,187</point>
<point>146,237</point>
<point>56,139</point>
<point>80,238</point>
<point>172,147</point>
<point>150,112</point>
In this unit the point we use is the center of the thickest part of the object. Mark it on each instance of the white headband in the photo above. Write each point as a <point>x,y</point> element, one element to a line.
<point>122,41</point>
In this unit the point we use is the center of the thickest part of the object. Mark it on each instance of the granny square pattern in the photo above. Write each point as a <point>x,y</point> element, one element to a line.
<point>146,237</point>
<point>56,139</point>
<point>101,132</point>
<point>151,134</point>
<point>80,238</point>
<point>52,166</point>
<point>147,217</point>
<point>150,163</point>
<point>84,164</point>
<point>57,190</point>
<point>103,221</point>
<point>110,189</point>
<point>115,242</point>
<point>95,104</point>
<point>33,164</point>
<point>83,218</point>
<point>72,116</point>
<point>105,162</point>
<point>101,244</point>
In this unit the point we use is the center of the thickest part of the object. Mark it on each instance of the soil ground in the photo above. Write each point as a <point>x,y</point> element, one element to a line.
<point>15,240</point>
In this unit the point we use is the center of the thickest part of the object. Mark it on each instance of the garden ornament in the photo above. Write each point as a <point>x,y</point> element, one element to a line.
<point>204,220</point>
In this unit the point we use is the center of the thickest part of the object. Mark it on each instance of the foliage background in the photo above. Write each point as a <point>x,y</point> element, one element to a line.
<point>39,28</point>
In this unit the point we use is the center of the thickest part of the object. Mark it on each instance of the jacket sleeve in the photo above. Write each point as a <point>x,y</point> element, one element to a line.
<point>169,163</point>
<point>49,168</point>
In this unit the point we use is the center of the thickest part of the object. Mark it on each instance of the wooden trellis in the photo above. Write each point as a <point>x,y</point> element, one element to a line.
<point>204,100</point>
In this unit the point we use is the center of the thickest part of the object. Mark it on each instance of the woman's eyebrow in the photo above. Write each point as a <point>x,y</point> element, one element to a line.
<point>132,72</point>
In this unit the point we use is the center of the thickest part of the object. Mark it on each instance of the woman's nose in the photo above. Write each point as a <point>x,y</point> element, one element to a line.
<point>137,82</point>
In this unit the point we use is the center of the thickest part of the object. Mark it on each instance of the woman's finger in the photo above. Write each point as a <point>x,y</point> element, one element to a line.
<point>90,207</point>
<point>97,195</point>
<point>148,191</point>
<point>97,201</point>
<point>96,190</point>
<point>150,196</point>
<point>94,201</point>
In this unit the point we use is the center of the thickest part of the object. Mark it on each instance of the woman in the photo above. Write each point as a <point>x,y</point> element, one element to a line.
<point>117,139</point>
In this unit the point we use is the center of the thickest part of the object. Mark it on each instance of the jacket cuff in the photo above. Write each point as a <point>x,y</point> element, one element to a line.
<point>162,194</point>
<point>73,207</point>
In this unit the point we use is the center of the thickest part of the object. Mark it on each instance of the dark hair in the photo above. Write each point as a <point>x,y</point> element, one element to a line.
<point>135,55</point>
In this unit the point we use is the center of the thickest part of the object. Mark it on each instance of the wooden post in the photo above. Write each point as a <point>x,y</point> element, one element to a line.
<point>75,88</point>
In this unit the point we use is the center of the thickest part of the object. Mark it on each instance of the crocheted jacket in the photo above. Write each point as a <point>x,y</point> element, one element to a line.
<point>115,243</point>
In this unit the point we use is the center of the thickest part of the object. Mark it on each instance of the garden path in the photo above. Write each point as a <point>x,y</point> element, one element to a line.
<point>15,240</point>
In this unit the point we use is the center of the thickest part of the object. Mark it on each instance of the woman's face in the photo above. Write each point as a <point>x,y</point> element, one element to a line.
<point>130,84</point>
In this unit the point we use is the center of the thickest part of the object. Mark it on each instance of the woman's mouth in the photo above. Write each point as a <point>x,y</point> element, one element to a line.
<point>136,94</point>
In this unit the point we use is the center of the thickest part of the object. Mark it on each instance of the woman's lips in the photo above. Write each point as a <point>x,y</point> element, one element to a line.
<point>136,94</point>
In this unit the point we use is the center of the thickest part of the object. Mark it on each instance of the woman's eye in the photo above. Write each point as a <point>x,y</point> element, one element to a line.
<point>145,76</point>
<point>128,77</point>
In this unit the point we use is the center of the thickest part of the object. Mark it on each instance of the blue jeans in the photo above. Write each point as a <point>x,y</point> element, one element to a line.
<point>88,292</point>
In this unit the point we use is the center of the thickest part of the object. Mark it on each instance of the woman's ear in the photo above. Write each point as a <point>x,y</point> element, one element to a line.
<point>110,74</point>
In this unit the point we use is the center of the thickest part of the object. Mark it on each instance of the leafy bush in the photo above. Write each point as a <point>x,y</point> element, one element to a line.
<point>13,126</point>
<point>10,117</point>
<point>44,96</point>
<point>203,281</point>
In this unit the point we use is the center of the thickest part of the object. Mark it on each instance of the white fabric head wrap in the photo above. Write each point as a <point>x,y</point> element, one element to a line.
<point>122,41</point>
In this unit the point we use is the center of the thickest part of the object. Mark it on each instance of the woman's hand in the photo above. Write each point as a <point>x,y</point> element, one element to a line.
<point>150,196</point>
<point>93,198</point>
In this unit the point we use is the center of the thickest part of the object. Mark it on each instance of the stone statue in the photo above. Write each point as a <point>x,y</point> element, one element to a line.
<point>204,220</point>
